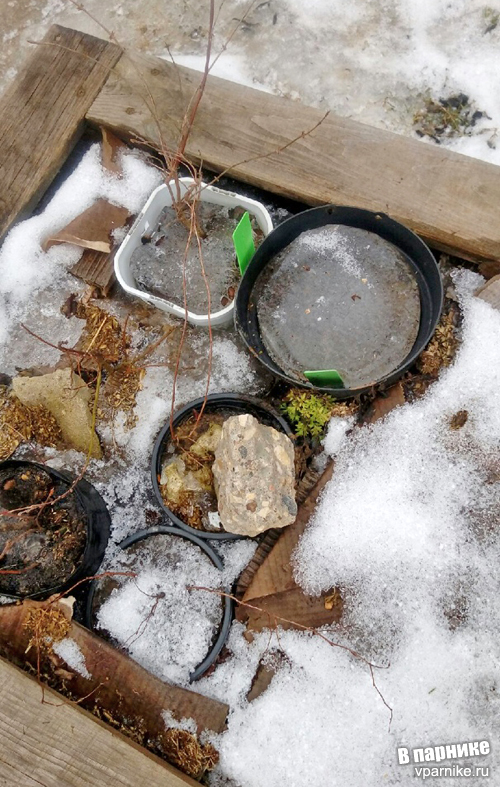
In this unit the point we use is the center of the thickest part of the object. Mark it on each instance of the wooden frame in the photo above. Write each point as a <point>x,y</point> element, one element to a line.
<point>73,79</point>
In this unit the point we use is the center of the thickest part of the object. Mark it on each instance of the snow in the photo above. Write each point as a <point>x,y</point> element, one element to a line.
<point>27,270</point>
<point>407,528</point>
<point>337,430</point>
<point>165,626</point>
<point>69,651</point>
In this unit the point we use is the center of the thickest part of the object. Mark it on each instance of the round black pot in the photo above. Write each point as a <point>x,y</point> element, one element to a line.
<point>227,615</point>
<point>98,527</point>
<point>418,255</point>
<point>237,404</point>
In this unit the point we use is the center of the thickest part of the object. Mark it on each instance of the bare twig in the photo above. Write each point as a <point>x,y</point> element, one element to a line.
<point>310,629</point>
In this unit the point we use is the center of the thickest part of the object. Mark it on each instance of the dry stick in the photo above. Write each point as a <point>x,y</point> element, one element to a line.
<point>228,40</point>
<point>311,630</point>
<point>184,329</point>
<point>153,111</point>
<point>54,599</point>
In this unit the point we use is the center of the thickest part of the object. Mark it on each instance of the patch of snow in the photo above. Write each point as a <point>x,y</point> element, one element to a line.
<point>69,651</point>
<point>335,436</point>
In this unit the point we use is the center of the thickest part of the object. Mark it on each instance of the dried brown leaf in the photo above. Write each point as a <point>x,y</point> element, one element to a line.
<point>91,229</point>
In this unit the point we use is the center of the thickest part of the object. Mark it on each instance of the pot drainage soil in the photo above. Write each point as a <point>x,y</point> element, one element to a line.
<point>163,625</point>
<point>42,547</point>
<point>339,297</point>
<point>158,265</point>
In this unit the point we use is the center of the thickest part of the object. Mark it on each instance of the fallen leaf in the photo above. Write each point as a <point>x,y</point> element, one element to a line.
<point>333,600</point>
<point>91,229</point>
<point>112,146</point>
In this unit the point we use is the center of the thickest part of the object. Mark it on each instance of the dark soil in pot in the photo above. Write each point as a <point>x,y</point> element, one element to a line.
<point>55,538</point>
<point>181,467</point>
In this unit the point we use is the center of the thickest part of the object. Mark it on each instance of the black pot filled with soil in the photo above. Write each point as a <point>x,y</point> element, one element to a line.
<point>55,535</point>
<point>340,299</point>
<point>174,632</point>
<point>186,460</point>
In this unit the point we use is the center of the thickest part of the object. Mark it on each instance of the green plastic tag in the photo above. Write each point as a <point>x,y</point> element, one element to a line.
<point>326,378</point>
<point>243,242</point>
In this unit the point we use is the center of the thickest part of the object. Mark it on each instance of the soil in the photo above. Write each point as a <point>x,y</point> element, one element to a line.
<point>158,266</point>
<point>41,547</point>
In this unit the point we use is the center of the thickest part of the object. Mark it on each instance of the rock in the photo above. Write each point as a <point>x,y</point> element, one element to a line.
<point>177,480</point>
<point>67,397</point>
<point>254,473</point>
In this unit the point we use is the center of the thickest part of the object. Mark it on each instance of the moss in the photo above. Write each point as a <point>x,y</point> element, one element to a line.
<point>310,413</point>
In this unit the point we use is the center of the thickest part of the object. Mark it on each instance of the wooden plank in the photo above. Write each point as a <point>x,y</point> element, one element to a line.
<point>449,199</point>
<point>96,268</point>
<point>42,114</point>
<point>118,685</point>
<point>490,292</point>
<point>57,744</point>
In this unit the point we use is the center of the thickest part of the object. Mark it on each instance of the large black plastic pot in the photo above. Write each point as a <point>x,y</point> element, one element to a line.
<point>235,404</point>
<point>98,522</point>
<point>227,614</point>
<point>417,254</point>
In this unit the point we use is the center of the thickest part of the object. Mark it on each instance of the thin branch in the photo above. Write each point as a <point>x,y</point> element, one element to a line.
<point>311,630</point>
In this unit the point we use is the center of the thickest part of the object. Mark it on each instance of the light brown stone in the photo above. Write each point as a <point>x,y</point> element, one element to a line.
<point>254,473</point>
<point>68,398</point>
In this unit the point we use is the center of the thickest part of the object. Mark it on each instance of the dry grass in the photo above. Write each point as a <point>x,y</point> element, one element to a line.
<point>20,423</point>
<point>441,349</point>
<point>45,625</point>
<point>183,750</point>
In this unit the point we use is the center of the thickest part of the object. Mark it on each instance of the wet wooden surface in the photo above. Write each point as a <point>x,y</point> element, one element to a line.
<point>57,744</point>
<point>449,199</point>
<point>118,685</point>
<point>42,115</point>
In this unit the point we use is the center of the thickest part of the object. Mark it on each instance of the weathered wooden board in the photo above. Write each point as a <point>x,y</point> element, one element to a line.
<point>42,114</point>
<point>118,685</point>
<point>96,268</point>
<point>449,199</point>
<point>490,292</point>
<point>57,744</point>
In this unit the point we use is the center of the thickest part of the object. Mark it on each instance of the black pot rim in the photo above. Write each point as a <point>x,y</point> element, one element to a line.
<point>98,524</point>
<point>418,254</point>
<point>227,615</point>
<point>248,403</point>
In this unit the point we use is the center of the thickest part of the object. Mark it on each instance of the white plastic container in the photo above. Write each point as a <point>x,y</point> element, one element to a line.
<point>147,220</point>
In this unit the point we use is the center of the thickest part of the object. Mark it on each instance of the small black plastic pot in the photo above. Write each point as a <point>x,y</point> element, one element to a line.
<point>227,615</point>
<point>236,404</point>
<point>97,519</point>
<point>418,255</point>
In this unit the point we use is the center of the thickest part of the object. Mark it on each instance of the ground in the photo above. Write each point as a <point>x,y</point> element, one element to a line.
<point>378,62</point>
